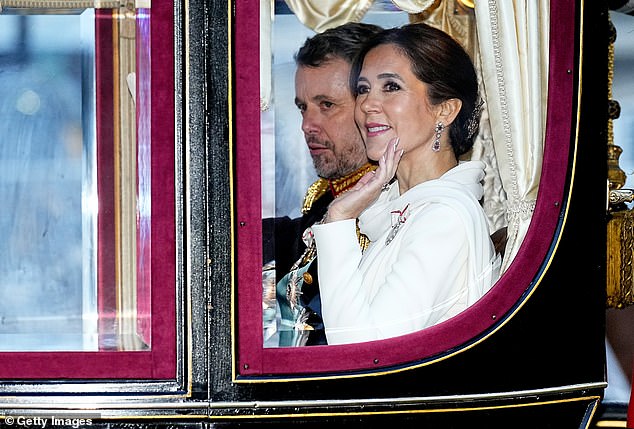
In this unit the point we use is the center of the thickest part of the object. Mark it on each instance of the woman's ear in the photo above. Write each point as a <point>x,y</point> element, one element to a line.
<point>449,110</point>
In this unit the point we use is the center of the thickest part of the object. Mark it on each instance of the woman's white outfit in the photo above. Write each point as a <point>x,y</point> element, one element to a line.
<point>439,261</point>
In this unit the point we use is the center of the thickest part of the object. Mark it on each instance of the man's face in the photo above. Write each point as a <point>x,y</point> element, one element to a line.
<point>323,97</point>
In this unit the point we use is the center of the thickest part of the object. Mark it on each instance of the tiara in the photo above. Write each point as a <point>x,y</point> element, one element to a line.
<point>474,120</point>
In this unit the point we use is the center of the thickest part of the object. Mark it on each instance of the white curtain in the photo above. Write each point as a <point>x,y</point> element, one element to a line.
<point>323,14</point>
<point>513,38</point>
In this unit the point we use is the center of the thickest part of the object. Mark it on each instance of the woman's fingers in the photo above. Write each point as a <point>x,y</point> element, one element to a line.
<point>365,179</point>
<point>389,162</point>
<point>350,204</point>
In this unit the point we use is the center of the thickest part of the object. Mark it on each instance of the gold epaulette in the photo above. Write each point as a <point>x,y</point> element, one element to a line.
<point>314,192</point>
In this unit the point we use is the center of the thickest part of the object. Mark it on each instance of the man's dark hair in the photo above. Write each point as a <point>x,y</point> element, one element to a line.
<point>342,42</point>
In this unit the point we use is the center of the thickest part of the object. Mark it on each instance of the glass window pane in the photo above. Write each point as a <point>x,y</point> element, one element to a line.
<point>75,181</point>
<point>45,301</point>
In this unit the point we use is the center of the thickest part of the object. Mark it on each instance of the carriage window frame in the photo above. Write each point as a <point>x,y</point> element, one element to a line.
<point>253,362</point>
<point>159,360</point>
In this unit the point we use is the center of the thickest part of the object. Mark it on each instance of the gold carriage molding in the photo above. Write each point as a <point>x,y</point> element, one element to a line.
<point>620,254</point>
<point>620,227</point>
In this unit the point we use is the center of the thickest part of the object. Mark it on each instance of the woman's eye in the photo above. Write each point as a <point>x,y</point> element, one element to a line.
<point>392,86</point>
<point>363,89</point>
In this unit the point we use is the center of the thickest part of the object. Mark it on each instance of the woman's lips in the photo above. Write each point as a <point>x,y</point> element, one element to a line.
<point>376,129</point>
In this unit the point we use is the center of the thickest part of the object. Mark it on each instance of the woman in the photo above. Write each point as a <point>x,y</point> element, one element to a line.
<point>431,255</point>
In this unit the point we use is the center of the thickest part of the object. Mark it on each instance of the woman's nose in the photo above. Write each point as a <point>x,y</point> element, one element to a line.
<point>368,103</point>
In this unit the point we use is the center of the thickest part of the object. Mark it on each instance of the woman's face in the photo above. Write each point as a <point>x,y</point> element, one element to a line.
<point>392,102</point>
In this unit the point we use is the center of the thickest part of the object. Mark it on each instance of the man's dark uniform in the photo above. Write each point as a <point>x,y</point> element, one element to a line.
<point>282,241</point>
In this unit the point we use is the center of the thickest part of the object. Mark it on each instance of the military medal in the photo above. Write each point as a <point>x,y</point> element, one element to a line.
<point>398,219</point>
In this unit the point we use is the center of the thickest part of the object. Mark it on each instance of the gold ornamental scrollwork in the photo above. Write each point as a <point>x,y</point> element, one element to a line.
<point>621,196</point>
<point>620,257</point>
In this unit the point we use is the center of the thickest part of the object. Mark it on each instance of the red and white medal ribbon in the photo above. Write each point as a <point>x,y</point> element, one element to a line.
<point>398,219</point>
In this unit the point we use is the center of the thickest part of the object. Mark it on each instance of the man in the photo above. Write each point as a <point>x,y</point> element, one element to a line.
<point>323,96</point>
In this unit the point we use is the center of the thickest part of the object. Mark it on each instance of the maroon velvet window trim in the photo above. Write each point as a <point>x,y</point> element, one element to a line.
<point>460,331</point>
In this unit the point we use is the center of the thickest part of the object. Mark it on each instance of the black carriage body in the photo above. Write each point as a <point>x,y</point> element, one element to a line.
<point>542,365</point>
<point>539,365</point>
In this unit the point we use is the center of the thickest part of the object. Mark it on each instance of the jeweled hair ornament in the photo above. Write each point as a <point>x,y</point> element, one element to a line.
<point>474,120</point>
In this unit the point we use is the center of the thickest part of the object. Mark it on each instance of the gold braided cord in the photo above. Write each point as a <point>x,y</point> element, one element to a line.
<point>364,241</point>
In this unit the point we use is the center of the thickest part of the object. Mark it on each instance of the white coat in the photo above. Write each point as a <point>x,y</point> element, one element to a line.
<point>440,260</point>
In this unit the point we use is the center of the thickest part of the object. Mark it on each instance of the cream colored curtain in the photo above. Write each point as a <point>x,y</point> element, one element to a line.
<point>451,17</point>
<point>320,15</point>
<point>323,14</point>
<point>513,38</point>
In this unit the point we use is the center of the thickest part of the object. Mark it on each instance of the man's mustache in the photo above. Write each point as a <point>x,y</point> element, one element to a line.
<point>312,140</point>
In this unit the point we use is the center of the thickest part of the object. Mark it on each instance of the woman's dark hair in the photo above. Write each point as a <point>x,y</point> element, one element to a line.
<point>439,61</point>
<point>342,42</point>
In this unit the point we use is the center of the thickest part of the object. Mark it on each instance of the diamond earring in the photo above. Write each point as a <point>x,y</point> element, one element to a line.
<point>439,129</point>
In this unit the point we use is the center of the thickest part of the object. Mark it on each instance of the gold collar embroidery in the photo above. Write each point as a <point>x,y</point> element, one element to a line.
<point>336,186</point>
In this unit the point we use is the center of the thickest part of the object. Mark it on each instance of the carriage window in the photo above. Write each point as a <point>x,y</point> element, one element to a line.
<point>289,175</point>
<point>74,179</point>
<point>509,202</point>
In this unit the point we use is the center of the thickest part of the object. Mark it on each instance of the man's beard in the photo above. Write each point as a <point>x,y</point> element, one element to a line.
<point>334,165</point>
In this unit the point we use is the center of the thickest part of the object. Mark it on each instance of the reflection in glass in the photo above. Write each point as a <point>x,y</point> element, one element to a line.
<point>45,172</point>
<point>75,181</point>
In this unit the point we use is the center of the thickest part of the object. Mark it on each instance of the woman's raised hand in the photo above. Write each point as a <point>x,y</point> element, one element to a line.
<point>350,204</point>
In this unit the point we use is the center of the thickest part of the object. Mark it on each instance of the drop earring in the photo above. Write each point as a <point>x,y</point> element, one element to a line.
<point>439,129</point>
